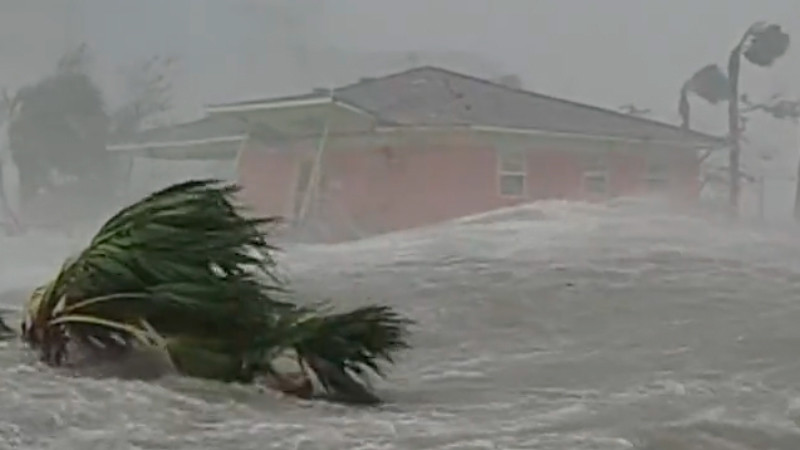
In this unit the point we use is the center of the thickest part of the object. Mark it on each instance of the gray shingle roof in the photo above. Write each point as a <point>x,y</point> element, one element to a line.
<point>435,96</point>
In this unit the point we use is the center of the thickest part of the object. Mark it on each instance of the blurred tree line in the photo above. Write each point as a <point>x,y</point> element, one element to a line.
<point>60,125</point>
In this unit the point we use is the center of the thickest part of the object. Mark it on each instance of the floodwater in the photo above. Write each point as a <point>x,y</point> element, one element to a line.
<point>579,327</point>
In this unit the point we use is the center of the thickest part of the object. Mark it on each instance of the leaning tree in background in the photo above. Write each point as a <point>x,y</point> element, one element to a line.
<point>62,125</point>
<point>60,129</point>
<point>762,44</point>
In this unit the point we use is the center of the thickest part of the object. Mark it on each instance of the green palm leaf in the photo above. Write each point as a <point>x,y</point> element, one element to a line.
<point>187,270</point>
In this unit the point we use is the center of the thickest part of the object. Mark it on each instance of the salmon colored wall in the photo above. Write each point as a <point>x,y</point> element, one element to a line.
<point>686,188</point>
<point>398,186</point>
<point>554,174</point>
<point>267,178</point>
<point>627,171</point>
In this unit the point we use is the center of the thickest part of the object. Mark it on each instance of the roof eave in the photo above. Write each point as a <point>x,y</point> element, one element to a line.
<point>271,105</point>
<point>133,146</point>
<point>267,105</point>
<point>688,142</point>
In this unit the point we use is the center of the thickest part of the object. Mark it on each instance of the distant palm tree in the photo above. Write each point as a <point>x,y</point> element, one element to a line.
<point>709,83</point>
<point>762,44</point>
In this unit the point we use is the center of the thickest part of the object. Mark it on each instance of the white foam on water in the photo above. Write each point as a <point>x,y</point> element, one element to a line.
<point>548,326</point>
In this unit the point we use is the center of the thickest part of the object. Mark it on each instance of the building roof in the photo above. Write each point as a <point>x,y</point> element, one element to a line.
<point>212,137</point>
<point>211,128</point>
<point>432,96</point>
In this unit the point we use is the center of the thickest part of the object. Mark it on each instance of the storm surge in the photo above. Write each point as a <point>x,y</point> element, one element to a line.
<point>547,326</point>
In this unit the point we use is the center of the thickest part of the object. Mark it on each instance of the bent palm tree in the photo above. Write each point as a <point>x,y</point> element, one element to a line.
<point>184,271</point>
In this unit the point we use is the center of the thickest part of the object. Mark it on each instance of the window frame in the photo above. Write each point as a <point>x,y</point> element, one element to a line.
<point>597,167</point>
<point>503,171</point>
<point>661,175</point>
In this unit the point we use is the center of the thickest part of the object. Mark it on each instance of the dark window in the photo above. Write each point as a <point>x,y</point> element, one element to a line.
<point>595,175</point>
<point>657,178</point>
<point>512,162</point>
<point>657,183</point>
<point>595,182</point>
<point>512,185</point>
<point>596,163</point>
<point>512,173</point>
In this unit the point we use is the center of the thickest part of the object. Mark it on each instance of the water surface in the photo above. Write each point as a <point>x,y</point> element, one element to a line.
<point>595,327</point>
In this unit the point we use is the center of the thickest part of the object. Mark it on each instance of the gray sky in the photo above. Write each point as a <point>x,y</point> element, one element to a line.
<point>608,52</point>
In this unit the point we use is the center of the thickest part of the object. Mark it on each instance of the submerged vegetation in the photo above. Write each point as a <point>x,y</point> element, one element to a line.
<point>185,272</point>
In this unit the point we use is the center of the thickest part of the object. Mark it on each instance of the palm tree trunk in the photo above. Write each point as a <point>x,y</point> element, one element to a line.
<point>684,108</point>
<point>797,195</point>
<point>734,130</point>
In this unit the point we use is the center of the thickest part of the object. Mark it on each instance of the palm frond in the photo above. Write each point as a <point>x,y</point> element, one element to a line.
<point>343,349</point>
<point>357,340</point>
<point>186,270</point>
<point>185,259</point>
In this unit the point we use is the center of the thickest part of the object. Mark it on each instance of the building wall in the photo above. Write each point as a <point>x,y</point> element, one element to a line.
<point>398,187</point>
<point>629,173</point>
<point>267,176</point>
<point>373,185</point>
